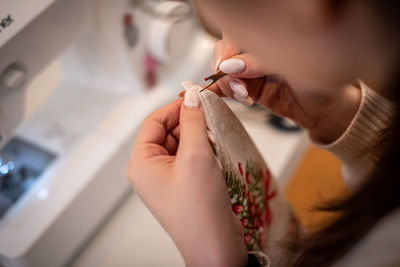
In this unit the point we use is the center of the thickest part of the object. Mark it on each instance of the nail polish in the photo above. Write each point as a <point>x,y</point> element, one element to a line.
<point>238,88</point>
<point>189,84</point>
<point>192,94</point>
<point>192,98</point>
<point>233,65</point>
<point>248,101</point>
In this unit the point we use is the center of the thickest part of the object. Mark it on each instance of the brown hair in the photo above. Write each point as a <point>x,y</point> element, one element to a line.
<point>378,195</point>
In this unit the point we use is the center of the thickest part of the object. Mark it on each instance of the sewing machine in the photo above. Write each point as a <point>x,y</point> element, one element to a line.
<point>72,96</point>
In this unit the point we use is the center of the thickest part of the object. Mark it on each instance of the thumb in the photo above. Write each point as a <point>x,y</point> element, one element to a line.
<point>223,49</point>
<point>193,129</point>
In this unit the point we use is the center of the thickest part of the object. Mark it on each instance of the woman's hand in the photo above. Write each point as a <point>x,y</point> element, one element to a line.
<point>325,113</point>
<point>175,173</point>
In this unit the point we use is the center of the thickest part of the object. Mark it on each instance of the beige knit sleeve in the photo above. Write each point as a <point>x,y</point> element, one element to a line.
<point>355,147</point>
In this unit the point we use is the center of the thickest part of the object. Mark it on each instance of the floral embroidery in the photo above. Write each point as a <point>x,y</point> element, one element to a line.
<point>250,196</point>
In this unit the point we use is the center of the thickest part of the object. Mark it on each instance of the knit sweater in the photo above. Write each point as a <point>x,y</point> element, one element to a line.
<point>353,148</point>
<point>381,246</point>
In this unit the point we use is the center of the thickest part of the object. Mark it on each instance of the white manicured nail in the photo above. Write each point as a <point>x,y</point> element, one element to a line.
<point>189,84</point>
<point>192,98</point>
<point>192,94</point>
<point>248,101</point>
<point>233,65</point>
<point>238,88</point>
<point>217,63</point>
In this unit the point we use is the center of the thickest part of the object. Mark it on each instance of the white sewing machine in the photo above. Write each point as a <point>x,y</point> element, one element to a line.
<point>72,96</point>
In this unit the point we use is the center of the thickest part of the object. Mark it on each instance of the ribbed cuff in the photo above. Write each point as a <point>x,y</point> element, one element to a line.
<point>353,148</point>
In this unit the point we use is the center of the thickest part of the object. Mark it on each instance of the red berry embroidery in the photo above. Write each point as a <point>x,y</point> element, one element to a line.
<point>250,194</point>
<point>247,177</point>
<point>240,168</point>
<point>247,238</point>
<point>237,208</point>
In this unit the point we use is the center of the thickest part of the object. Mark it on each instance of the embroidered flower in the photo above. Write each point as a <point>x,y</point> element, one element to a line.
<point>240,168</point>
<point>250,201</point>
<point>247,238</point>
<point>247,177</point>
<point>237,208</point>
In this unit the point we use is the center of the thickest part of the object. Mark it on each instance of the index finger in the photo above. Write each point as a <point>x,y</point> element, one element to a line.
<point>157,125</point>
<point>224,49</point>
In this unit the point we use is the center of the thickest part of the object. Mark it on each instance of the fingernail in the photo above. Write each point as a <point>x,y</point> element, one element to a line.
<point>238,88</point>
<point>217,63</point>
<point>233,65</point>
<point>192,94</point>
<point>192,98</point>
<point>248,101</point>
<point>189,84</point>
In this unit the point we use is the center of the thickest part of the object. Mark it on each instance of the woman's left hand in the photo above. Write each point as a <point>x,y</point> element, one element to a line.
<point>175,173</point>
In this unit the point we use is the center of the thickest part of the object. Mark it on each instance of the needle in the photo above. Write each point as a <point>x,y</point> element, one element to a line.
<point>215,77</point>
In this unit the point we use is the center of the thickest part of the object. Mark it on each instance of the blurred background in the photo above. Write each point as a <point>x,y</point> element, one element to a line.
<point>77,78</point>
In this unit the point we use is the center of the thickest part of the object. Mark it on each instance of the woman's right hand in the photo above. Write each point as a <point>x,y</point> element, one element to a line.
<point>174,171</point>
<point>326,114</point>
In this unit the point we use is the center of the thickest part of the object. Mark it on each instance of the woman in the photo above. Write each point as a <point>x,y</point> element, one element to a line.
<point>320,48</point>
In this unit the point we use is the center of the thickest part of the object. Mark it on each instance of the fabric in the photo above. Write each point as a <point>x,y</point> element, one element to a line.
<point>353,148</point>
<point>380,247</point>
<point>256,199</point>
